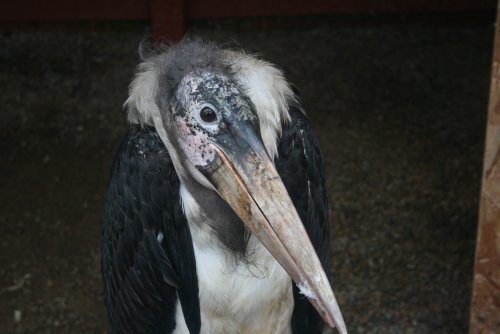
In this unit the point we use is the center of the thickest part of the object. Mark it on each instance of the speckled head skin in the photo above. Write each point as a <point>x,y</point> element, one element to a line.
<point>199,90</point>
<point>163,69</point>
<point>191,76</point>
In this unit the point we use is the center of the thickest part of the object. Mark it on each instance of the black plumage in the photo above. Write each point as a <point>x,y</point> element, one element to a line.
<point>147,252</point>
<point>148,257</point>
<point>301,168</point>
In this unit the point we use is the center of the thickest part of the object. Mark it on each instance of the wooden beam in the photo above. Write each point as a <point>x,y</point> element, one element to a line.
<point>485,308</point>
<point>77,10</point>
<point>199,9</point>
<point>167,19</point>
<point>64,10</point>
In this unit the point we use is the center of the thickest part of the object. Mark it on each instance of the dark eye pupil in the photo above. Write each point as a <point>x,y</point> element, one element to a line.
<point>208,115</point>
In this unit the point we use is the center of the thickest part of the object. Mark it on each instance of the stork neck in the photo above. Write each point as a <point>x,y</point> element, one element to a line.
<point>207,211</point>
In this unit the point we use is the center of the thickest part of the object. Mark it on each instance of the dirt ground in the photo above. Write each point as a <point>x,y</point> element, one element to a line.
<point>400,113</point>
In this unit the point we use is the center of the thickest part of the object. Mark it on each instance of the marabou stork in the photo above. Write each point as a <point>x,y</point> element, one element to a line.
<point>216,202</point>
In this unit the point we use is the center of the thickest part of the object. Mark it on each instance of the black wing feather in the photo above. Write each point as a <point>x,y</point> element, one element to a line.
<point>301,168</point>
<point>143,277</point>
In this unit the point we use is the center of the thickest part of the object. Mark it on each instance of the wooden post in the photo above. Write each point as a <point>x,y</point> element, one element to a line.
<point>485,308</point>
<point>167,19</point>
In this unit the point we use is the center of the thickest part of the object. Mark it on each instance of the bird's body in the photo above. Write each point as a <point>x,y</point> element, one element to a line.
<point>257,292</point>
<point>256,298</point>
<point>183,250</point>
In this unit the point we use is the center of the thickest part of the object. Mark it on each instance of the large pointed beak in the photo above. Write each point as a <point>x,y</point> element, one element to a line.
<point>247,180</point>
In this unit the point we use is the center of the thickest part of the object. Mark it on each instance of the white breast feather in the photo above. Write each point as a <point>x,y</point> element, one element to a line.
<point>237,298</point>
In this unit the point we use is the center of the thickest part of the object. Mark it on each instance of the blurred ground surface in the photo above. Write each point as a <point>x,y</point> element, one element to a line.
<point>400,113</point>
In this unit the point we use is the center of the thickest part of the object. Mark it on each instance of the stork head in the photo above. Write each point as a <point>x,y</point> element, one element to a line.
<point>218,112</point>
<point>208,115</point>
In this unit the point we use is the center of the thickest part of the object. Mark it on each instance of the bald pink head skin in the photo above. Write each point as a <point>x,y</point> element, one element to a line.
<point>194,135</point>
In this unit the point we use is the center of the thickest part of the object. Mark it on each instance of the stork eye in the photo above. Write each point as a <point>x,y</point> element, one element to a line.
<point>208,115</point>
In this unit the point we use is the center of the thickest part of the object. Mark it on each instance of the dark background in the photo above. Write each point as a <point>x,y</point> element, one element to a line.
<point>399,104</point>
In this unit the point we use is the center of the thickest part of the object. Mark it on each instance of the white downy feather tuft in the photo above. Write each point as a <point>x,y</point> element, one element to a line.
<point>140,103</point>
<point>142,108</point>
<point>268,90</point>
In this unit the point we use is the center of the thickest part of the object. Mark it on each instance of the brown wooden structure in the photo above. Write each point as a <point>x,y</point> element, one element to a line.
<point>168,17</point>
<point>485,308</point>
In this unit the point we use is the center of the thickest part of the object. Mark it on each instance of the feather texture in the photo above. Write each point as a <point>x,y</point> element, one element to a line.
<point>301,169</point>
<point>147,251</point>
